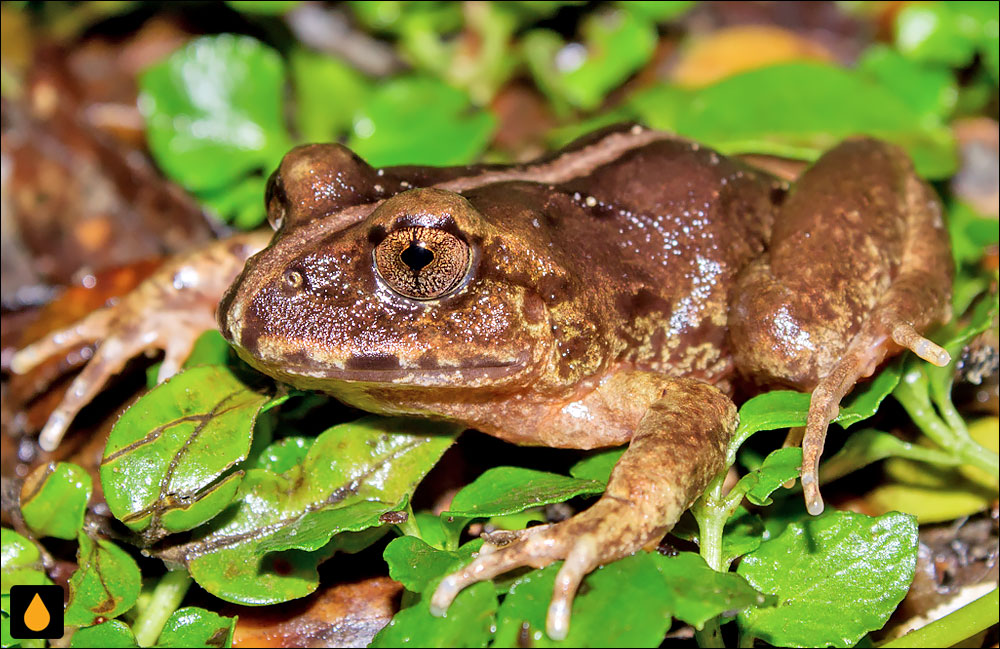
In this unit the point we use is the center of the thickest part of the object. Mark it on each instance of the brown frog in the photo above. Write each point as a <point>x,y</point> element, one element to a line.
<point>605,295</point>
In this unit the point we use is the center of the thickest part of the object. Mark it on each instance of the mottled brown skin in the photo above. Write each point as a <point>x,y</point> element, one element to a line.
<point>605,295</point>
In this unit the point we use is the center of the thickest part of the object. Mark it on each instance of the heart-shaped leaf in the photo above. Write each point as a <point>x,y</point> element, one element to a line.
<point>54,499</point>
<point>106,582</point>
<point>352,475</point>
<point>837,577</point>
<point>164,457</point>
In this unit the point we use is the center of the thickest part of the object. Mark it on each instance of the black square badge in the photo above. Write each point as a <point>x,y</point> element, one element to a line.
<point>36,612</point>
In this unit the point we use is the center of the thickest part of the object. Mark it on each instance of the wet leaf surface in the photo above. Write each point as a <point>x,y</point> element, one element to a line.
<point>54,499</point>
<point>645,590</point>
<point>511,490</point>
<point>837,577</point>
<point>105,585</point>
<point>196,627</point>
<point>113,633</point>
<point>20,561</point>
<point>352,474</point>
<point>164,458</point>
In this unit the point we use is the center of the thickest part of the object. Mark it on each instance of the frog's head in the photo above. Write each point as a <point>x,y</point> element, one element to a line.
<point>423,291</point>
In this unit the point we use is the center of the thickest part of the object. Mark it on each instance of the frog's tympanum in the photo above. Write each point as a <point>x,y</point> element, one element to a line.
<point>608,294</point>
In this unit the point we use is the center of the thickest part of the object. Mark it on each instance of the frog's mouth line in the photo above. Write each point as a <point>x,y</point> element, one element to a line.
<point>300,368</point>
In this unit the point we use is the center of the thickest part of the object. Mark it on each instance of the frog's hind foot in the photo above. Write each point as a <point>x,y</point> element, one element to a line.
<point>862,357</point>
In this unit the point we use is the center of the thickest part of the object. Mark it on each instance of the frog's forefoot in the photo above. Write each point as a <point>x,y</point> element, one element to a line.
<point>121,334</point>
<point>166,312</point>
<point>585,541</point>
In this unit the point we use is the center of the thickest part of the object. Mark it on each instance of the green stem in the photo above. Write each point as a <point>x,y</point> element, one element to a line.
<point>918,405</point>
<point>711,513</point>
<point>409,527</point>
<point>167,596</point>
<point>954,627</point>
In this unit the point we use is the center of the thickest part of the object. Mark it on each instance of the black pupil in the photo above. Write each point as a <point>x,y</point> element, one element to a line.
<point>416,257</point>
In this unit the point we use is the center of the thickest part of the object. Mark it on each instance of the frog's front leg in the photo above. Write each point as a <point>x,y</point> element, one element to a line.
<point>678,446</point>
<point>858,268</point>
<point>167,311</point>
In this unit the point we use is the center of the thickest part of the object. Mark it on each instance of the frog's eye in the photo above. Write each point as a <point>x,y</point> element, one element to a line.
<point>422,263</point>
<point>276,201</point>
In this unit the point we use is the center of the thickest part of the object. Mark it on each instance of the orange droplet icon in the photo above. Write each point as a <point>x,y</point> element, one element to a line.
<point>36,616</point>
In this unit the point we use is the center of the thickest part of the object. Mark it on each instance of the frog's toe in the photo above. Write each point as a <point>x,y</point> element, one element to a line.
<point>536,549</point>
<point>92,328</point>
<point>582,559</point>
<point>108,360</point>
<point>501,538</point>
<point>905,335</point>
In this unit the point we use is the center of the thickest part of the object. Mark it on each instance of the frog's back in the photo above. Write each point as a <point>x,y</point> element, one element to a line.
<point>649,243</point>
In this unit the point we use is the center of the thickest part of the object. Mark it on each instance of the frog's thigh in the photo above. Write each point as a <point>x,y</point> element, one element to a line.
<point>858,267</point>
<point>678,447</point>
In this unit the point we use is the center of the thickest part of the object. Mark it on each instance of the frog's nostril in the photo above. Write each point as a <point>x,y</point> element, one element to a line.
<point>293,278</point>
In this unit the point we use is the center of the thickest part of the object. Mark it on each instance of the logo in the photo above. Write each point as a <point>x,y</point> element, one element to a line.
<point>36,612</point>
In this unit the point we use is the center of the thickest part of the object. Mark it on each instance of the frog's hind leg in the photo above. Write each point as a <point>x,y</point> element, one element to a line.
<point>858,267</point>
<point>680,442</point>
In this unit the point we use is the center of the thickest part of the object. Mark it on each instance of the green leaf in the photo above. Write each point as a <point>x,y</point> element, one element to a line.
<point>700,593</point>
<point>615,45</point>
<point>970,233</point>
<point>658,10</point>
<point>928,90</point>
<point>210,349</point>
<point>866,398</point>
<point>352,474</point>
<point>239,203</point>
<point>786,408</point>
<point>398,15</point>
<point>451,131</point>
<point>837,577</point>
<point>510,490</point>
<point>282,455</point>
<point>113,633</point>
<point>742,533</point>
<point>798,110</point>
<point>6,639</point>
<point>214,112</point>
<point>869,445</point>
<point>54,499</point>
<point>329,93</point>
<point>195,627</point>
<point>431,529</point>
<point>264,7</point>
<point>645,591</point>
<point>20,561</point>
<point>417,565</point>
<point>631,587</point>
<point>420,568</point>
<point>106,582</point>
<point>932,31</point>
<point>469,622</point>
<point>779,467</point>
<point>597,466</point>
<point>164,457</point>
